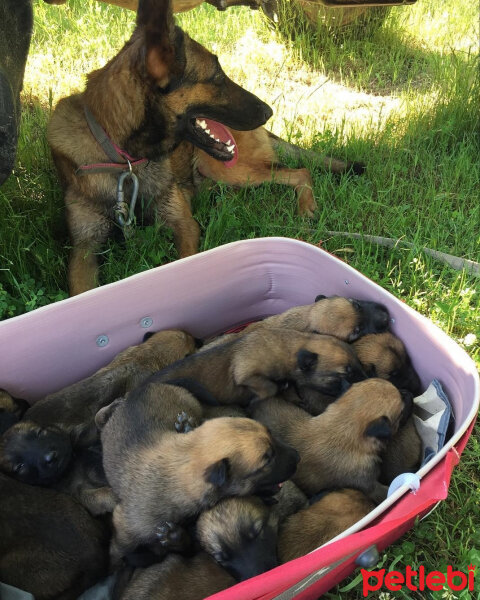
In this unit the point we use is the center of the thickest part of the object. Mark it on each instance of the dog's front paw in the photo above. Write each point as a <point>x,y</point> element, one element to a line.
<point>172,537</point>
<point>185,423</point>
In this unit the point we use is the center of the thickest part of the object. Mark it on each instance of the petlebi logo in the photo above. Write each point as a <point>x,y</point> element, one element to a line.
<point>418,580</point>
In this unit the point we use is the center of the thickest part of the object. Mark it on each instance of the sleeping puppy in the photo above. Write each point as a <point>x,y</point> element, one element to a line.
<point>11,410</point>
<point>161,476</point>
<point>344,318</point>
<point>403,453</point>
<point>315,525</point>
<point>44,456</point>
<point>49,545</point>
<point>342,446</point>
<point>264,361</point>
<point>241,533</point>
<point>73,408</point>
<point>384,355</point>
<point>177,578</point>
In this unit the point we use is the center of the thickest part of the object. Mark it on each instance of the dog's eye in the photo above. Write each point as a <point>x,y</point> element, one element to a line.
<point>357,330</point>
<point>220,556</point>
<point>18,468</point>
<point>255,530</point>
<point>268,456</point>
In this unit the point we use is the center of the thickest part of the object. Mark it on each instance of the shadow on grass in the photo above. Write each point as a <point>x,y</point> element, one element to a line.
<point>380,58</point>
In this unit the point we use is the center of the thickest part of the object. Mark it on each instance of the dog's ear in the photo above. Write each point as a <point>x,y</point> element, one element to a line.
<point>218,472</point>
<point>380,428</point>
<point>407,398</point>
<point>320,297</point>
<point>156,17</point>
<point>306,360</point>
<point>106,412</point>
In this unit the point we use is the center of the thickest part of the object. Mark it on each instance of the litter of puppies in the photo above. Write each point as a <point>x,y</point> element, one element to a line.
<point>177,464</point>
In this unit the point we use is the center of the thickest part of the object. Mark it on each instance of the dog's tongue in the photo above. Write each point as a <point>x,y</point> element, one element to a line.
<point>223,134</point>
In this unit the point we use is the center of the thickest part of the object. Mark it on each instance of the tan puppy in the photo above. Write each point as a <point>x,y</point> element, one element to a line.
<point>384,355</point>
<point>73,408</point>
<point>241,533</point>
<point>178,578</point>
<point>403,453</point>
<point>342,446</point>
<point>162,476</point>
<point>344,318</point>
<point>322,521</point>
<point>264,361</point>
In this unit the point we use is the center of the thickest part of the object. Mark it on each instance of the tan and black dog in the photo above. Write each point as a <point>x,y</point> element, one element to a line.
<point>73,408</point>
<point>49,545</point>
<point>264,361</point>
<point>326,518</point>
<point>384,355</point>
<point>342,446</point>
<point>344,318</point>
<point>241,533</point>
<point>177,578</point>
<point>161,91</point>
<point>11,410</point>
<point>162,476</point>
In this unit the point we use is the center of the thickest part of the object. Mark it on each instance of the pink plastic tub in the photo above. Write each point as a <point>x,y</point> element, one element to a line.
<point>209,293</point>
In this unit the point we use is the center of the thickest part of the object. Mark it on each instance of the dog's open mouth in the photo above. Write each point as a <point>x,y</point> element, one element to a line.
<point>215,139</point>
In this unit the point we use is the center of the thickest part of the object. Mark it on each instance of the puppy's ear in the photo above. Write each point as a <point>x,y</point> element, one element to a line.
<point>306,360</point>
<point>320,297</point>
<point>148,335</point>
<point>156,17</point>
<point>218,472</point>
<point>380,428</point>
<point>106,412</point>
<point>407,398</point>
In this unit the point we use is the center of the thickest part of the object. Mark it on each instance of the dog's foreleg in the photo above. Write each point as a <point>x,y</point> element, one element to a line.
<point>288,150</point>
<point>88,231</point>
<point>176,212</point>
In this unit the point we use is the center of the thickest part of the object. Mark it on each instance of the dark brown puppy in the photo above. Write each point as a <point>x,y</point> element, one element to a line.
<point>322,521</point>
<point>241,533</point>
<point>44,456</point>
<point>11,410</point>
<point>342,446</point>
<point>178,578</point>
<point>149,98</point>
<point>403,453</point>
<point>161,476</point>
<point>49,545</point>
<point>73,408</point>
<point>34,454</point>
<point>384,355</point>
<point>262,362</point>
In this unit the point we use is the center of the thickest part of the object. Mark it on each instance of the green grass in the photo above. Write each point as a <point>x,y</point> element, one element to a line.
<point>405,100</point>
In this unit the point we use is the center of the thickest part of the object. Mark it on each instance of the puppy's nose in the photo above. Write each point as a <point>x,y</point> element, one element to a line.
<point>267,111</point>
<point>50,457</point>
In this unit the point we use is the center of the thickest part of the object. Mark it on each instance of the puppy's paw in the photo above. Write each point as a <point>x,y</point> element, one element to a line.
<point>172,537</point>
<point>185,423</point>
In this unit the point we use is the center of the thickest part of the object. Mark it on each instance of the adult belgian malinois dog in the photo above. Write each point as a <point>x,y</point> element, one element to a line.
<point>161,114</point>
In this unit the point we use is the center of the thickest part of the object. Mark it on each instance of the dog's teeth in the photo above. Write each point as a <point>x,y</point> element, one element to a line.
<point>230,148</point>
<point>208,131</point>
<point>202,124</point>
<point>216,139</point>
<point>228,142</point>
